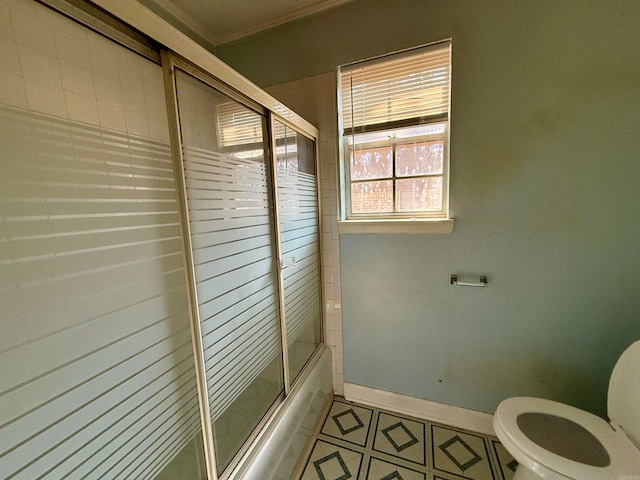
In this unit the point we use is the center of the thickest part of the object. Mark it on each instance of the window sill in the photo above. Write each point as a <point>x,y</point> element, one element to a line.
<point>431,225</point>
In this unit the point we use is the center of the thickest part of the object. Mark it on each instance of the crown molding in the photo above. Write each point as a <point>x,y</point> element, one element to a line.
<point>185,18</point>
<point>279,20</point>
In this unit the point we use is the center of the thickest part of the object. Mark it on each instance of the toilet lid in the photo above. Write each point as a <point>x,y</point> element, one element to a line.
<point>601,453</point>
<point>563,437</point>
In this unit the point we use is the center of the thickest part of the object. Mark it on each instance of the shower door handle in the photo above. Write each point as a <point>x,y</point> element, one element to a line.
<point>285,262</point>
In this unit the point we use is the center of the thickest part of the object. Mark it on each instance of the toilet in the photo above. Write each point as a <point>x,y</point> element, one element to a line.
<point>554,441</point>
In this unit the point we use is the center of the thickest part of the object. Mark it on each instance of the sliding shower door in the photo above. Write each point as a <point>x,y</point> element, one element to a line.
<point>297,196</point>
<point>98,378</point>
<point>227,181</point>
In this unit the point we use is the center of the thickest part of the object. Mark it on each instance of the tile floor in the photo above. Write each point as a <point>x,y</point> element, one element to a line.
<point>363,443</point>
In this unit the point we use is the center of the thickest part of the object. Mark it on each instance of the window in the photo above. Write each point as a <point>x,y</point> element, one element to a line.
<point>395,124</point>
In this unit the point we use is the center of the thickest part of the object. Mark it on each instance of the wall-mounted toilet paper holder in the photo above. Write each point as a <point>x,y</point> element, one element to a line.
<point>482,283</point>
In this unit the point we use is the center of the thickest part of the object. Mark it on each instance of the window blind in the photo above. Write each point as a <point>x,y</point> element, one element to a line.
<point>409,86</point>
<point>237,125</point>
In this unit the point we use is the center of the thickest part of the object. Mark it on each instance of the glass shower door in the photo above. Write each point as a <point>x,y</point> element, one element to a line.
<point>297,196</point>
<point>227,179</point>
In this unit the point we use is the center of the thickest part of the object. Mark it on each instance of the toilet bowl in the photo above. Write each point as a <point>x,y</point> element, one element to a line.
<point>554,441</point>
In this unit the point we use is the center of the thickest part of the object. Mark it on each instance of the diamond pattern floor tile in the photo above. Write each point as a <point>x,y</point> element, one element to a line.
<point>363,443</point>
<point>460,453</point>
<point>348,422</point>
<point>400,437</point>
<point>381,470</point>
<point>332,462</point>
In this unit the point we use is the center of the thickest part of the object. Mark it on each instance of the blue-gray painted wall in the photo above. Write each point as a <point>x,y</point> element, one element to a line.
<point>545,189</point>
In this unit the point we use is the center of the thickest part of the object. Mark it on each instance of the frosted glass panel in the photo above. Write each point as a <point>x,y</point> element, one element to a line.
<point>298,219</point>
<point>97,365</point>
<point>231,221</point>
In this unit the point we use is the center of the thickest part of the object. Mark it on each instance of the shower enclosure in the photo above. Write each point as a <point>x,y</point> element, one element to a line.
<point>252,233</point>
<point>160,275</point>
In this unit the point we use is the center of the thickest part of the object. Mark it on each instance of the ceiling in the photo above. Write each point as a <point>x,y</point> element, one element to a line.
<point>223,21</point>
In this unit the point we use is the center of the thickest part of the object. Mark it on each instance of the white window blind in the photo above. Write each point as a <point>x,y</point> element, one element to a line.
<point>237,125</point>
<point>414,85</point>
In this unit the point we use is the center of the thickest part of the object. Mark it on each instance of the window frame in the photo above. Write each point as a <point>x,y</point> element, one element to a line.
<point>348,220</point>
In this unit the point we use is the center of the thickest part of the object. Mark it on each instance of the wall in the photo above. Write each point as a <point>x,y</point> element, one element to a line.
<point>544,189</point>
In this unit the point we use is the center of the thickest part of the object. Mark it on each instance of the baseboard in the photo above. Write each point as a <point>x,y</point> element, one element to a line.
<point>420,408</point>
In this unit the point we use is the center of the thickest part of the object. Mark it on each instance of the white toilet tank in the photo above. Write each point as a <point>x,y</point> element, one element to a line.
<point>623,402</point>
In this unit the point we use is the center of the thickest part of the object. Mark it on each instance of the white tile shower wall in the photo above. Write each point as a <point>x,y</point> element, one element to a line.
<point>53,66</point>
<point>313,98</point>
<point>94,310</point>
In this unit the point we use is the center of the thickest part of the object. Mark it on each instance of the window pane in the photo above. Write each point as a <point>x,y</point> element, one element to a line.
<point>372,163</point>
<point>419,194</point>
<point>286,148</point>
<point>372,197</point>
<point>423,158</point>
